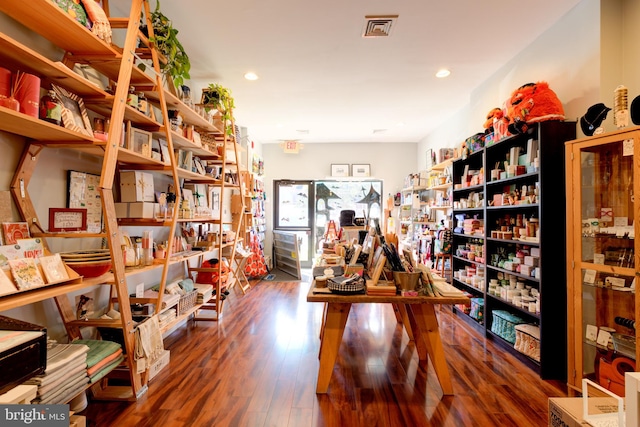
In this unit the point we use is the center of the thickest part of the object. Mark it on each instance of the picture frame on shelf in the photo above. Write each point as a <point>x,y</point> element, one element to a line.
<point>74,113</point>
<point>431,158</point>
<point>67,219</point>
<point>84,193</point>
<point>139,141</point>
<point>164,152</point>
<point>361,170</point>
<point>339,170</point>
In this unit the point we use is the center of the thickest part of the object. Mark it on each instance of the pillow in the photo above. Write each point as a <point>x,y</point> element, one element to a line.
<point>76,10</point>
<point>186,285</point>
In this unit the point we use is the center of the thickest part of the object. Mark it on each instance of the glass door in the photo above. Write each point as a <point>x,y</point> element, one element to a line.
<point>294,213</point>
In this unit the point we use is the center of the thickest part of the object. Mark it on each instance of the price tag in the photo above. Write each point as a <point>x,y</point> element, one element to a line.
<point>592,332</point>
<point>603,338</point>
<point>589,276</point>
<point>627,147</point>
<point>598,259</point>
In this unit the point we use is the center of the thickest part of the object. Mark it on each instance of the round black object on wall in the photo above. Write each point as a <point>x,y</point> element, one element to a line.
<point>593,118</point>
<point>635,110</point>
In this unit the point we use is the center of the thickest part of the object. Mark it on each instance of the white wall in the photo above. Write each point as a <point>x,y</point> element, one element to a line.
<point>567,56</point>
<point>389,162</point>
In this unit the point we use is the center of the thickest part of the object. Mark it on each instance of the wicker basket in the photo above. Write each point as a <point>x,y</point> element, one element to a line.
<point>187,302</point>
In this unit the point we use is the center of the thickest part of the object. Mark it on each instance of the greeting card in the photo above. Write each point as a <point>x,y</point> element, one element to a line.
<point>25,273</point>
<point>53,268</point>
<point>8,252</point>
<point>31,248</point>
<point>13,231</point>
<point>6,285</point>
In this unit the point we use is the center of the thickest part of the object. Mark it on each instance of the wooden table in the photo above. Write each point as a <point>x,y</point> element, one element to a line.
<point>417,314</point>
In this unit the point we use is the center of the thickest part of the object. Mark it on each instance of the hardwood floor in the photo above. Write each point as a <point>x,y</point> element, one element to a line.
<point>257,366</point>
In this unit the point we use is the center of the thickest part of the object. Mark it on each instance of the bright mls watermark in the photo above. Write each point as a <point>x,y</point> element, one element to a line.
<point>34,415</point>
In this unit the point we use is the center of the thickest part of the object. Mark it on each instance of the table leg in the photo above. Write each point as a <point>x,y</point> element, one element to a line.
<point>332,330</point>
<point>401,314</point>
<point>427,337</point>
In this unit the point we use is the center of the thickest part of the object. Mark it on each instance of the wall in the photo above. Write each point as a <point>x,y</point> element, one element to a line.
<point>567,56</point>
<point>389,162</point>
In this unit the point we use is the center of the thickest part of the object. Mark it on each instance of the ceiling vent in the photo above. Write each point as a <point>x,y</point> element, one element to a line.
<point>378,26</point>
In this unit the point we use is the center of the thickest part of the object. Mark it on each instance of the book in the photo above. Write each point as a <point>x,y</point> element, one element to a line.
<point>6,285</point>
<point>53,268</point>
<point>31,248</point>
<point>26,273</point>
<point>12,231</point>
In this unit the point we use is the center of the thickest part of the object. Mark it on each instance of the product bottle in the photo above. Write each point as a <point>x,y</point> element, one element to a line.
<point>132,98</point>
<point>51,108</point>
<point>147,247</point>
<point>143,105</point>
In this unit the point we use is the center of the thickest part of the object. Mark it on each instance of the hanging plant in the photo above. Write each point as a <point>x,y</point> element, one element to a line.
<point>177,64</point>
<point>217,97</point>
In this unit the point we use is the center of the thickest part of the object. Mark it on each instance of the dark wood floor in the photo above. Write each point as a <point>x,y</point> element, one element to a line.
<point>257,366</point>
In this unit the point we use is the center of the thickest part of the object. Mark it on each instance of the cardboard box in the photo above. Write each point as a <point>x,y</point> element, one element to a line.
<point>159,364</point>
<point>143,210</point>
<point>136,186</point>
<point>531,261</point>
<point>567,411</point>
<point>122,210</point>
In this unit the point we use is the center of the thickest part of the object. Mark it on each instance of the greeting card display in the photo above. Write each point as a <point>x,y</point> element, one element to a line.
<point>26,273</point>
<point>9,252</point>
<point>12,231</point>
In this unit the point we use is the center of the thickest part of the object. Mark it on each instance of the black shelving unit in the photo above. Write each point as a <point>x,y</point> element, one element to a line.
<point>549,209</point>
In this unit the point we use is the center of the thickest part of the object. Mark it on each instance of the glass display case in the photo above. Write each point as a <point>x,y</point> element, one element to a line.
<point>602,258</point>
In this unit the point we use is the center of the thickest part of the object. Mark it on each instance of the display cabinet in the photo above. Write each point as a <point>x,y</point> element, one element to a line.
<point>602,256</point>
<point>508,249</point>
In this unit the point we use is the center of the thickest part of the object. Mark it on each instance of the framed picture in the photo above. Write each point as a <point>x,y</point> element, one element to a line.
<point>140,141</point>
<point>66,219</point>
<point>84,193</point>
<point>164,152</point>
<point>74,113</point>
<point>360,170</point>
<point>339,170</point>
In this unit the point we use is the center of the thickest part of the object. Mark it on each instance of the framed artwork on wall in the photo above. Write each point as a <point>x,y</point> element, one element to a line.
<point>339,170</point>
<point>360,170</point>
<point>66,219</point>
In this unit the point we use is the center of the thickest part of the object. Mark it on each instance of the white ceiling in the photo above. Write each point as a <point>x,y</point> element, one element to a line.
<point>318,74</point>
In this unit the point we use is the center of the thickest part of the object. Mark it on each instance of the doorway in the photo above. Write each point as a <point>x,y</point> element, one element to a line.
<point>293,202</point>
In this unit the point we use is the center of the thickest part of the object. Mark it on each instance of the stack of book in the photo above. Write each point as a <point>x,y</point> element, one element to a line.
<point>381,288</point>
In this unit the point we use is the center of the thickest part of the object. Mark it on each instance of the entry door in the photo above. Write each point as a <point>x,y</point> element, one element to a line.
<point>294,213</point>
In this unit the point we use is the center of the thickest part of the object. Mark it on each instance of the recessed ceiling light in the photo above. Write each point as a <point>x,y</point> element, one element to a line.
<point>251,76</point>
<point>443,73</point>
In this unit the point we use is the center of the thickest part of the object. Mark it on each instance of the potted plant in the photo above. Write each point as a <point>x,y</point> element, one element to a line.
<point>217,97</point>
<point>177,64</point>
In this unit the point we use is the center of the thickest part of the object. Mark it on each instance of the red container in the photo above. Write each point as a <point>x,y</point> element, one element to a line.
<point>27,92</point>
<point>5,83</point>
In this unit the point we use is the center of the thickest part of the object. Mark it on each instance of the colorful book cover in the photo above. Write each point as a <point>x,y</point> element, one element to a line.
<point>53,268</point>
<point>12,231</point>
<point>8,252</point>
<point>6,285</point>
<point>31,248</point>
<point>25,272</point>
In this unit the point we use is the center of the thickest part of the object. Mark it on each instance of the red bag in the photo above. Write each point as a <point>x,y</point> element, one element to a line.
<point>212,277</point>
<point>611,374</point>
<point>256,265</point>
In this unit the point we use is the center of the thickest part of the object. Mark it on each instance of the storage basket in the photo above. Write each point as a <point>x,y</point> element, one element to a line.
<point>528,340</point>
<point>477,309</point>
<point>504,324</point>
<point>187,302</point>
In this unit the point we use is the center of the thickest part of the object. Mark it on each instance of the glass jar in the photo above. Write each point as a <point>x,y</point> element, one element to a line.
<point>51,108</point>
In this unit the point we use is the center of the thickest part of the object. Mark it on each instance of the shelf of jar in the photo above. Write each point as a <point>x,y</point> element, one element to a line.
<point>470,188</point>
<point>50,21</point>
<point>469,236</point>
<point>519,206</point>
<point>31,127</point>
<point>515,241</point>
<point>512,179</point>
<point>459,283</point>
<point>522,310</point>
<point>467,260</point>
<point>468,210</point>
<point>513,273</point>
<point>20,57</point>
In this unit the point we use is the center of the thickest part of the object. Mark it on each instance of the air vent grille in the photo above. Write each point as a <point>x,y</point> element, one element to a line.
<point>378,26</point>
